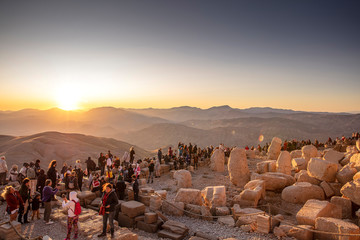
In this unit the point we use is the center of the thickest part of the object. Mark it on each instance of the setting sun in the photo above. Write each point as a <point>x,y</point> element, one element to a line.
<point>68,98</point>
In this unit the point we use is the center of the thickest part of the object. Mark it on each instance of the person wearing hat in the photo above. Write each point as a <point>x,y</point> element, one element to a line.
<point>3,170</point>
<point>107,209</point>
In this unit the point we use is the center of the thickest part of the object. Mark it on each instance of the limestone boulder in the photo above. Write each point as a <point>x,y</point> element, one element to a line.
<point>238,167</point>
<point>333,156</point>
<point>174,209</point>
<point>217,161</point>
<point>301,192</point>
<point>266,166</point>
<point>314,209</point>
<point>246,216</point>
<point>227,220</point>
<point>358,145</point>
<point>252,193</point>
<point>283,163</point>
<point>222,211</point>
<point>276,181</point>
<point>296,154</point>
<point>214,196</point>
<point>351,190</point>
<point>132,208</point>
<point>356,160</point>
<point>322,170</point>
<point>303,176</point>
<point>302,232</point>
<point>345,205</point>
<point>299,164</point>
<point>334,225</point>
<point>346,174</point>
<point>329,192</point>
<point>189,196</point>
<point>176,227</point>
<point>183,179</point>
<point>308,152</point>
<point>274,148</point>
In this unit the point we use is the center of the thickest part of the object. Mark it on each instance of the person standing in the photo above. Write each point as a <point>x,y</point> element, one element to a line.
<point>14,173</point>
<point>157,169</point>
<point>3,170</point>
<point>51,173</point>
<point>13,200</point>
<point>159,153</point>
<point>101,163</point>
<point>25,195</point>
<point>48,193</point>
<point>135,188</point>
<point>132,154</point>
<point>31,174</point>
<point>107,209</point>
<point>72,220</point>
<point>151,171</point>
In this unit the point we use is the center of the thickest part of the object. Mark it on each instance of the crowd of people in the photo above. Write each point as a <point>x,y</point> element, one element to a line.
<point>109,178</point>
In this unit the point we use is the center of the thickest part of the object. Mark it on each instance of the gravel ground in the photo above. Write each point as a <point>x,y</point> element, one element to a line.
<point>200,179</point>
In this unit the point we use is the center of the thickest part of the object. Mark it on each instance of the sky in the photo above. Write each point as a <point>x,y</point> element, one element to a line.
<point>300,55</point>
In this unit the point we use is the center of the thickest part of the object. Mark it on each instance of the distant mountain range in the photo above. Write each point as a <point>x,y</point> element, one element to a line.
<point>153,128</point>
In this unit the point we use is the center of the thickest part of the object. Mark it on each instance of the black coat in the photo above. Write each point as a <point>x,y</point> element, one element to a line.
<point>112,200</point>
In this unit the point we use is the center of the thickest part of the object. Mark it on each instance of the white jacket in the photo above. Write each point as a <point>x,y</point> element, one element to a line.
<point>70,205</point>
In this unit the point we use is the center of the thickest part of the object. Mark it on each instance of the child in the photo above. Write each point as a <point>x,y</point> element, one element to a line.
<point>72,217</point>
<point>35,206</point>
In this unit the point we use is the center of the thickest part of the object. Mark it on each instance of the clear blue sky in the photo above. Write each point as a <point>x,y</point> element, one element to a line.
<point>303,55</point>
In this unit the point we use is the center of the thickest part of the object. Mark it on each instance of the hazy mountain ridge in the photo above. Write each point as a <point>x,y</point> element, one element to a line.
<point>152,128</point>
<point>63,147</point>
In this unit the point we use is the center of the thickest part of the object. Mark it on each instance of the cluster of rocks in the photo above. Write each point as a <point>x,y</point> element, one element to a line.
<point>327,183</point>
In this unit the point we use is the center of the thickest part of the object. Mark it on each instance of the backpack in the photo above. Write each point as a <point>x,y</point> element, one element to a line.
<point>77,210</point>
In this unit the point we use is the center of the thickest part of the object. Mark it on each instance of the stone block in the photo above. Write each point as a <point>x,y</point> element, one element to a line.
<point>189,196</point>
<point>176,227</point>
<point>132,208</point>
<point>316,208</point>
<point>344,204</point>
<point>169,209</point>
<point>322,170</point>
<point>183,179</point>
<point>329,192</point>
<point>303,176</point>
<point>335,226</point>
<point>351,190</point>
<point>214,196</point>
<point>301,192</point>
<point>125,221</point>
<point>151,218</point>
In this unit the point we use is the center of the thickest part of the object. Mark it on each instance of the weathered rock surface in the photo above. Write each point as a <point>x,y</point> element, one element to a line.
<point>132,209</point>
<point>252,193</point>
<point>344,204</point>
<point>313,209</point>
<point>301,192</point>
<point>296,154</point>
<point>299,164</point>
<point>308,152</point>
<point>188,195</point>
<point>238,167</point>
<point>283,163</point>
<point>334,225</point>
<point>175,208</point>
<point>217,161</point>
<point>183,178</point>
<point>214,196</point>
<point>276,181</point>
<point>352,191</point>
<point>322,170</point>
<point>356,160</point>
<point>333,156</point>
<point>302,233</point>
<point>303,176</point>
<point>346,174</point>
<point>274,148</point>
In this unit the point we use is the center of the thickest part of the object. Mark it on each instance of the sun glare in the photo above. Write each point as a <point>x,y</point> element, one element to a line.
<point>68,98</point>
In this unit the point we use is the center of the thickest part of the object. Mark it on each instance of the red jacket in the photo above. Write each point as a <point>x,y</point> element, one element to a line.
<point>14,200</point>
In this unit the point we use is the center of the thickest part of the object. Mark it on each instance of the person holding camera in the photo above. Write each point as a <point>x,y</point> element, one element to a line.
<point>48,194</point>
